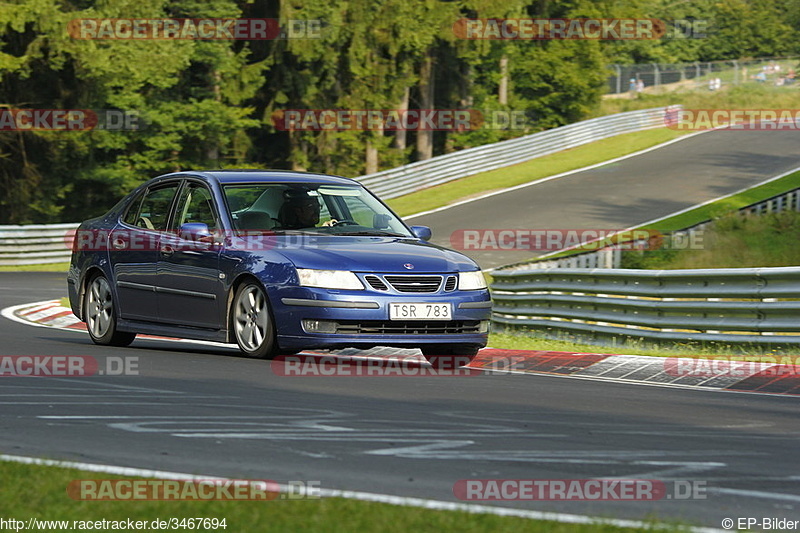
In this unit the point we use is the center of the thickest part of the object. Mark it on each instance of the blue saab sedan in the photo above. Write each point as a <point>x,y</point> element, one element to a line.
<point>276,262</point>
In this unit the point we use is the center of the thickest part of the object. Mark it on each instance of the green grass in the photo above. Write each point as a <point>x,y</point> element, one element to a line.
<point>50,267</point>
<point>530,171</point>
<point>522,340</point>
<point>40,492</point>
<point>749,96</point>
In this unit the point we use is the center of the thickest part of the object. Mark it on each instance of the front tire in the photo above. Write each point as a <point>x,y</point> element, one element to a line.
<point>449,356</point>
<point>251,322</point>
<point>100,315</point>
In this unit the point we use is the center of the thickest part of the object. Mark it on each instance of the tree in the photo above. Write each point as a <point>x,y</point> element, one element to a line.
<point>189,94</point>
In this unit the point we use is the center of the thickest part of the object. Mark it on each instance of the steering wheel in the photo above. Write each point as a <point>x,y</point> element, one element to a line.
<point>345,222</point>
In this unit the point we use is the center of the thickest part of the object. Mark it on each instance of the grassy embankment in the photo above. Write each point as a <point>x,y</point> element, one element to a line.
<point>41,492</point>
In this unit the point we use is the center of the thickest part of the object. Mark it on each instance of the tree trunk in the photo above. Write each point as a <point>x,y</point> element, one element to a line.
<point>425,137</point>
<point>401,134</point>
<point>212,151</point>
<point>502,95</point>
<point>371,158</point>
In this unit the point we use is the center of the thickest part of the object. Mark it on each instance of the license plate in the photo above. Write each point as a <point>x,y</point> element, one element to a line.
<point>420,311</point>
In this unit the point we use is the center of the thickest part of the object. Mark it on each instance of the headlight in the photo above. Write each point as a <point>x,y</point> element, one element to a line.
<point>471,281</point>
<point>329,279</point>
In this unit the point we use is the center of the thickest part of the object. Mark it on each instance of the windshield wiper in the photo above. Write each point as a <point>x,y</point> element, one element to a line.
<point>373,233</point>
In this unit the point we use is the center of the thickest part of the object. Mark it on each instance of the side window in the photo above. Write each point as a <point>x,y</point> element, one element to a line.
<point>133,211</point>
<point>195,205</point>
<point>154,209</point>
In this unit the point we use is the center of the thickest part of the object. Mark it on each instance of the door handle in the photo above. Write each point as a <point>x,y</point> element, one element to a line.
<point>118,243</point>
<point>167,250</point>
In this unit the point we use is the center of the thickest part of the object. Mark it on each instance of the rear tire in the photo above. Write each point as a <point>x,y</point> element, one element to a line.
<point>101,316</point>
<point>251,322</point>
<point>449,356</point>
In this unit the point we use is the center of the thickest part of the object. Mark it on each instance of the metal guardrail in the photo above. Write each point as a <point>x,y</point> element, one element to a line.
<point>40,244</point>
<point>731,305</point>
<point>35,244</point>
<point>441,169</point>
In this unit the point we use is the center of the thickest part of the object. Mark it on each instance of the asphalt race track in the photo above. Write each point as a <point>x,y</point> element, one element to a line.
<point>204,410</point>
<point>626,193</point>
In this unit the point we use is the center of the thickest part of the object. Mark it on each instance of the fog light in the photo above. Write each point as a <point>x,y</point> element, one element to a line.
<point>319,326</point>
<point>484,326</point>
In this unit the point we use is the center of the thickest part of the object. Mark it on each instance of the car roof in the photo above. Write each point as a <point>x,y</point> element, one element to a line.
<point>265,176</point>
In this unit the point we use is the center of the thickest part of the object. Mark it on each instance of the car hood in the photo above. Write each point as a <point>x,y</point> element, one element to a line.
<point>370,254</point>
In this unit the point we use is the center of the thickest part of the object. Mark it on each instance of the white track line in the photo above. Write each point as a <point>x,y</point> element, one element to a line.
<point>8,312</point>
<point>437,505</point>
<point>487,370</point>
<point>676,213</point>
<point>555,176</point>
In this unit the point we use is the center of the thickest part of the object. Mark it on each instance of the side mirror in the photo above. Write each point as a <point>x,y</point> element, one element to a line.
<point>421,232</point>
<point>196,232</point>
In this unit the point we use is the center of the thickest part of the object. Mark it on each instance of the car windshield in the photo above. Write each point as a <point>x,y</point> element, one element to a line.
<point>311,207</point>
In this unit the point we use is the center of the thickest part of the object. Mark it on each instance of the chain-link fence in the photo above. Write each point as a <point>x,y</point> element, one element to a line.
<point>710,75</point>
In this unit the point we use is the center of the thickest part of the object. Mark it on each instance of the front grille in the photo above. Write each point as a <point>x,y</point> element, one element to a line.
<point>414,283</point>
<point>410,327</point>
<point>450,284</point>
<point>376,283</point>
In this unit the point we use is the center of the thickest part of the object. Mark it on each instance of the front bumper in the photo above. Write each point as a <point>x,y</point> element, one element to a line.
<point>361,319</point>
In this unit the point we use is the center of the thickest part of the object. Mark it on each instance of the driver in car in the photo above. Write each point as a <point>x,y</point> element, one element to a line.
<point>300,210</point>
